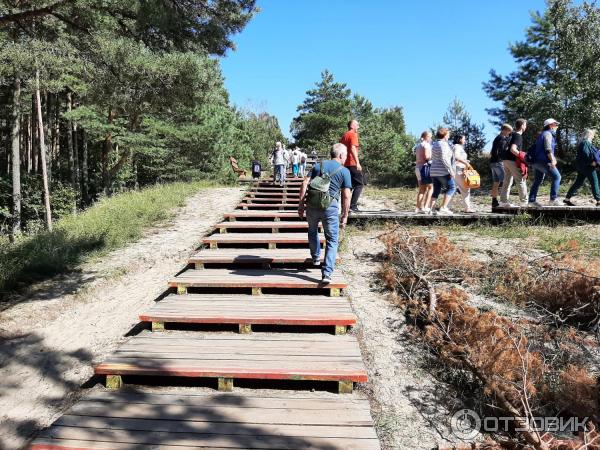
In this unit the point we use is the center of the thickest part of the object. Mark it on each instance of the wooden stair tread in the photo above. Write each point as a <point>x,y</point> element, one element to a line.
<point>217,421</point>
<point>262,214</point>
<point>258,238</point>
<point>239,309</point>
<point>254,356</point>
<point>275,278</point>
<point>258,225</point>
<point>253,256</point>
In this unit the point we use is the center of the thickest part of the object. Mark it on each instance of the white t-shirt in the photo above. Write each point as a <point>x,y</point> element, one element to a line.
<point>295,157</point>
<point>459,153</point>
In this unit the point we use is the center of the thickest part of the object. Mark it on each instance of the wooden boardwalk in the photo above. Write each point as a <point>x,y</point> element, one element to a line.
<point>245,311</point>
<point>182,420</point>
<point>252,256</point>
<point>588,213</point>
<point>256,280</point>
<point>290,294</point>
<point>272,240</point>
<point>228,357</point>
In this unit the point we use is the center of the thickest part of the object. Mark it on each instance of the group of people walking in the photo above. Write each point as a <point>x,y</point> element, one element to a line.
<point>282,158</point>
<point>441,166</point>
<point>439,169</point>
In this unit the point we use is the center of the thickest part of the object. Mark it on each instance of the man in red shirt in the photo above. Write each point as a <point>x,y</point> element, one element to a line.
<point>350,140</point>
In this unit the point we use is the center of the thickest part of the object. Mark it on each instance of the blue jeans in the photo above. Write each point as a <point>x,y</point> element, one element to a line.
<point>280,173</point>
<point>444,183</point>
<point>541,170</point>
<point>331,225</point>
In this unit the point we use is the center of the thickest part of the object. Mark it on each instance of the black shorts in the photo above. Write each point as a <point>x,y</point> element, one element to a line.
<point>356,176</point>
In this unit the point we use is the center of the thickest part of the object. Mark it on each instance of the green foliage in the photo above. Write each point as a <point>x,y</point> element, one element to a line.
<point>324,114</point>
<point>63,201</point>
<point>109,224</point>
<point>557,73</point>
<point>459,121</point>
<point>384,145</point>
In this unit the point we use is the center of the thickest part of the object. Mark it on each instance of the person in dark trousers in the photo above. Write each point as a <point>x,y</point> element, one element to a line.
<point>499,148</point>
<point>544,164</point>
<point>587,168</point>
<point>350,140</point>
<point>256,169</point>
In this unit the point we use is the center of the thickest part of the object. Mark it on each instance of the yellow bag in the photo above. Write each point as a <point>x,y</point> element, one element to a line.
<point>471,178</point>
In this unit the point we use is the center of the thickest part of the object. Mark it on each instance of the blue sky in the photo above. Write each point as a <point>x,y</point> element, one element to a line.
<point>415,54</point>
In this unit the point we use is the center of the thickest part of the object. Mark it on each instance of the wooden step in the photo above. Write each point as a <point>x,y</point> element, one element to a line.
<point>315,357</point>
<point>265,257</point>
<point>253,225</point>
<point>291,189</point>
<point>270,214</point>
<point>185,420</point>
<point>247,310</point>
<point>285,200</point>
<point>587,212</point>
<point>256,280</point>
<point>260,195</point>
<point>268,205</point>
<point>269,239</point>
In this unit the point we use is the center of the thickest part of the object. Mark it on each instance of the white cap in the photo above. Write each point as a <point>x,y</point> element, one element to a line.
<point>551,122</point>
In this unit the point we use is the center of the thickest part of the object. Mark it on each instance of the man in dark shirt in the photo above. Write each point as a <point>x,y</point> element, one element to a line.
<point>499,148</point>
<point>512,171</point>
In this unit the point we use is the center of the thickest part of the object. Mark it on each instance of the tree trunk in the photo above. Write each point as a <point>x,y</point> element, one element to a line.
<point>47,97</point>
<point>34,134</point>
<point>16,159</point>
<point>43,151</point>
<point>28,143</point>
<point>106,151</point>
<point>70,142</point>
<point>85,189</point>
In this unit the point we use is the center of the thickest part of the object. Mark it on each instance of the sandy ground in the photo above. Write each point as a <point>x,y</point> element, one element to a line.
<point>51,336</point>
<point>406,403</point>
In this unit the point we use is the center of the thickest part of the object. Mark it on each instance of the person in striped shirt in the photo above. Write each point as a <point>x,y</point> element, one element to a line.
<point>442,171</point>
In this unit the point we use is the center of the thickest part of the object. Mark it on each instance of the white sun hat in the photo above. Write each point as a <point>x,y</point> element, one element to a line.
<point>551,122</point>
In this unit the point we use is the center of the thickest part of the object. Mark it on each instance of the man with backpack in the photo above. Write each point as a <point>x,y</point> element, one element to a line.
<point>329,184</point>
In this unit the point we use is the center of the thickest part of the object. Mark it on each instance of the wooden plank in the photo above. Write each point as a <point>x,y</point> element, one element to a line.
<point>254,225</point>
<point>272,214</point>
<point>251,278</point>
<point>409,216</point>
<point>246,205</point>
<point>259,238</point>
<point>333,358</point>
<point>273,194</point>
<point>254,256</point>
<point>584,212</point>
<point>265,310</point>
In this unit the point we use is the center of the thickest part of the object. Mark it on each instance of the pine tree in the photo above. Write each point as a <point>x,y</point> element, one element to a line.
<point>324,114</point>
<point>459,121</point>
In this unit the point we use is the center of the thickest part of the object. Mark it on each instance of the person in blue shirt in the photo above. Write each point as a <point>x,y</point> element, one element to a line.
<point>545,164</point>
<point>339,190</point>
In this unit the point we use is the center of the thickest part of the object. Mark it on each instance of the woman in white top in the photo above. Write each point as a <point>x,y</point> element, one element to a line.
<point>423,156</point>
<point>462,163</point>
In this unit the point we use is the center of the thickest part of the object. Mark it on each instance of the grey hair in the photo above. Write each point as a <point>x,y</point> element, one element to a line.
<point>588,134</point>
<point>338,149</point>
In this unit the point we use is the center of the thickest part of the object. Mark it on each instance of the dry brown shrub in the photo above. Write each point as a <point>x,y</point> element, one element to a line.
<point>578,392</point>
<point>566,288</point>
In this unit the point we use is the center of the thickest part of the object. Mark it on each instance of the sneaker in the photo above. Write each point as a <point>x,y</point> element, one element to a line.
<point>568,202</point>
<point>495,203</point>
<point>470,211</point>
<point>598,203</point>
<point>426,211</point>
<point>316,261</point>
<point>326,279</point>
<point>444,212</point>
<point>355,209</point>
<point>555,202</point>
<point>534,205</point>
<point>418,210</point>
<point>524,204</point>
<point>507,205</point>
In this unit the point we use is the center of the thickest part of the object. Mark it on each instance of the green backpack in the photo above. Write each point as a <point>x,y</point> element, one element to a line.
<point>317,195</point>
